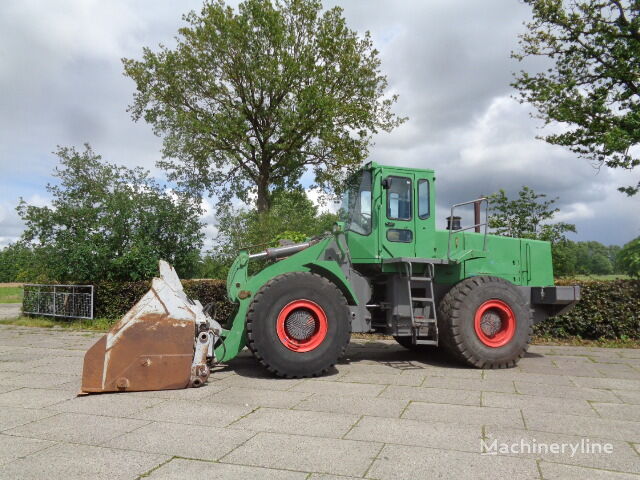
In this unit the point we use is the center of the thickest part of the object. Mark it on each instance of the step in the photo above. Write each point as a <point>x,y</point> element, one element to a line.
<point>421,279</point>
<point>422,299</point>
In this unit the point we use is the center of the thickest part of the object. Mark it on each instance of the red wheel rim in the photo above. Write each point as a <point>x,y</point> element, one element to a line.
<point>301,325</point>
<point>495,323</point>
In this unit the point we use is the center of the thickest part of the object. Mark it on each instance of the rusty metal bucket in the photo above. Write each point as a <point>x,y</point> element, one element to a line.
<point>164,342</point>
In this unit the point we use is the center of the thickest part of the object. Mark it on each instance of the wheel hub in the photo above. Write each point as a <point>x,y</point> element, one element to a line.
<point>490,323</point>
<point>300,324</point>
<point>495,323</point>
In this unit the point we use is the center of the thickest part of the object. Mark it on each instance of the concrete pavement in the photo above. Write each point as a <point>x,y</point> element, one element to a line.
<point>383,413</point>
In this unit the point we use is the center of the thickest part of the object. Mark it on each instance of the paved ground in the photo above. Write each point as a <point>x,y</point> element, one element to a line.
<point>384,413</point>
<point>10,310</point>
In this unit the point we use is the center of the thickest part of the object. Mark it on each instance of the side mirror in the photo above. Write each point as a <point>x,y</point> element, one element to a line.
<point>386,183</point>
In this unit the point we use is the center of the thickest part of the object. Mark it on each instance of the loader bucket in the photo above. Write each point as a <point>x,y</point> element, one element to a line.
<point>164,342</point>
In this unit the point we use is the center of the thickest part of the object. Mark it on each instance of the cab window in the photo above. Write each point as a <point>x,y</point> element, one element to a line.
<point>399,198</point>
<point>423,199</point>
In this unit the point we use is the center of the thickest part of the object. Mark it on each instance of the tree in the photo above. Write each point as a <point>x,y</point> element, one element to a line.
<point>629,258</point>
<point>108,222</point>
<point>249,101</point>
<point>593,86</point>
<point>293,216</point>
<point>528,216</point>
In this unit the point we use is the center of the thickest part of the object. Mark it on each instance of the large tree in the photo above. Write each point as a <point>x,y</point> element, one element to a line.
<point>248,101</point>
<point>592,85</point>
<point>107,222</point>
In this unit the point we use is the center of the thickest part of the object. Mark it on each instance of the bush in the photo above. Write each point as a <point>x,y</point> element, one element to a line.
<point>114,299</point>
<point>607,310</point>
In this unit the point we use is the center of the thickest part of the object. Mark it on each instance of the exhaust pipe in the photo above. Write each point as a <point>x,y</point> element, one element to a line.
<point>279,252</point>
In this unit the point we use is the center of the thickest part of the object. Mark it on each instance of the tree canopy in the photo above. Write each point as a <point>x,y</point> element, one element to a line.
<point>108,222</point>
<point>249,100</point>
<point>592,87</point>
<point>528,216</point>
<point>629,258</point>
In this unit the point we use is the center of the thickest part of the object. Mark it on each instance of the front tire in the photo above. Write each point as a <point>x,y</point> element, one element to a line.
<point>485,322</point>
<point>298,325</point>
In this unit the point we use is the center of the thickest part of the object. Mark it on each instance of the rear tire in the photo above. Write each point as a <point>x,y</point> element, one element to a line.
<point>298,325</point>
<point>485,322</point>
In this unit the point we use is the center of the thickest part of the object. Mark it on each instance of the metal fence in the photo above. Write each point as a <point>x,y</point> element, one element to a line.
<point>69,301</point>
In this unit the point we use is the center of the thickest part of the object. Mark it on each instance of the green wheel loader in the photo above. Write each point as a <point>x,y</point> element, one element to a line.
<point>385,268</point>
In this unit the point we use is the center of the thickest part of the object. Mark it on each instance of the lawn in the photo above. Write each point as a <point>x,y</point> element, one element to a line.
<point>97,324</point>
<point>10,294</point>
<point>602,278</point>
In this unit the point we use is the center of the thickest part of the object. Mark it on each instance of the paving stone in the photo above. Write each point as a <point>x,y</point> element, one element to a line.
<point>419,433</point>
<point>259,398</point>
<point>473,384</point>
<point>384,378</point>
<point>81,462</point>
<point>179,469</point>
<point>585,452</point>
<point>47,380</point>
<point>610,383</point>
<point>8,388</point>
<point>269,383</point>
<point>186,412</point>
<point>34,397</point>
<point>560,391</point>
<point>556,471</point>
<point>191,441</point>
<point>69,365</point>
<point>307,454</point>
<point>432,395</point>
<point>11,417</point>
<point>109,404</point>
<point>77,428</point>
<point>462,414</point>
<point>618,371</point>
<point>12,448</point>
<point>630,396</point>
<point>378,407</point>
<point>583,426</point>
<point>618,411</point>
<point>538,404</point>
<point>319,424</point>
<point>418,463</point>
<point>339,388</point>
<point>195,394</point>
<point>515,374</point>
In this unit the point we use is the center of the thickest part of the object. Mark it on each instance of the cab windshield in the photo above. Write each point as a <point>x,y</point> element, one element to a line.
<point>356,203</point>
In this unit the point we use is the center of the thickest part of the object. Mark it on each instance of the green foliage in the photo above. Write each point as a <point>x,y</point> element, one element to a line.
<point>106,223</point>
<point>592,87</point>
<point>629,258</point>
<point>606,310</point>
<point>247,101</point>
<point>293,216</point>
<point>585,258</point>
<point>114,299</point>
<point>527,216</point>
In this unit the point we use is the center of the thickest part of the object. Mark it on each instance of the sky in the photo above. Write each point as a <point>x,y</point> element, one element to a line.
<point>61,83</point>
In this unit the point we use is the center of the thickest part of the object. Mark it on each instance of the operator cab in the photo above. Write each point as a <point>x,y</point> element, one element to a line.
<point>388,213</point>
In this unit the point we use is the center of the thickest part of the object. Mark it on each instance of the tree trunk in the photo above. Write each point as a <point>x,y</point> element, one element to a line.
<point>263,202</point>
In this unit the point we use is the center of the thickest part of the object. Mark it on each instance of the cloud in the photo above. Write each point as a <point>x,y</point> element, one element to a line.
<point>61,81</point>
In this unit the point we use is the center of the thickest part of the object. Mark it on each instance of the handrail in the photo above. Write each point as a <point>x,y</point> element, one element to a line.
<point>481,224</point>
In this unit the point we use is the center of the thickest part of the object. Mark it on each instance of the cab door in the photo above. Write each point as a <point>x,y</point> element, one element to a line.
<point>397,225</point>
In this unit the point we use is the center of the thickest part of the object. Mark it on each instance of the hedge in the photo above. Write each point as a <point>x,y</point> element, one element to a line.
<point>114,299</point>
<point>607,310</point>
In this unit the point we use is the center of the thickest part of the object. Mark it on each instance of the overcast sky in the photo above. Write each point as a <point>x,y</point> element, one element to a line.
<point>61,83</point>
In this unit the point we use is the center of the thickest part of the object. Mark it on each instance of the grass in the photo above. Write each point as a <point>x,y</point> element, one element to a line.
<point>97,324</point>
<point>10,294</point>
<point>601,278</point>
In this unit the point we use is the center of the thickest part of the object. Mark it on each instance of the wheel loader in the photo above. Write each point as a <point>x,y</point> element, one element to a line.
<point>384,268</point>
